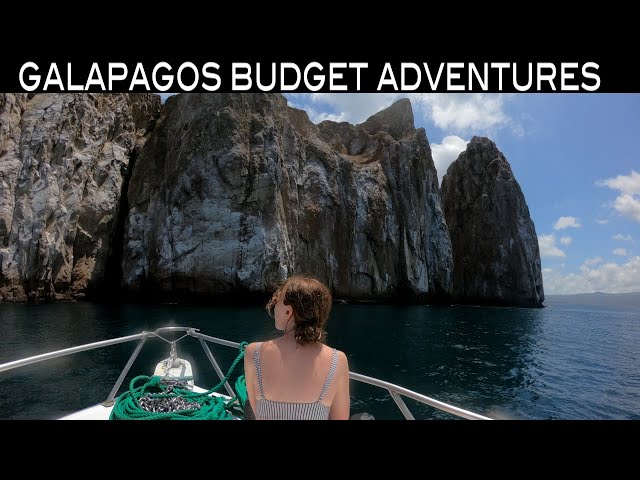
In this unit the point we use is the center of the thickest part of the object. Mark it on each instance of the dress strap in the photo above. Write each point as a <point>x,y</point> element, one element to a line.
<point>256,362</point>
<point>332,371</point>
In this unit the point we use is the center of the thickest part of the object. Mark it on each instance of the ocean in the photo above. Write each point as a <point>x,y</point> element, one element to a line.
<point>561,362</point>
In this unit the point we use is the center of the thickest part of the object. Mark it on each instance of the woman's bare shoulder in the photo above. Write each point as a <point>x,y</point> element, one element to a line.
<point>343,362</point>
<point>249,350</point>
<point>342,357</point>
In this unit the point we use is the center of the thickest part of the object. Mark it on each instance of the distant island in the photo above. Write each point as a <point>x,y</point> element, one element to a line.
<point>598,298</point>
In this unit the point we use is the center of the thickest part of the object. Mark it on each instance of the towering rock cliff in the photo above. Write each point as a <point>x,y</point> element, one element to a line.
<point>63,161</point>
<point>220,194</point>
<point>234,192</point>
<point>495,246</point>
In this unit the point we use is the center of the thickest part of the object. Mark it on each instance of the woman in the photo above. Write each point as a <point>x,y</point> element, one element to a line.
<point>296,376</point>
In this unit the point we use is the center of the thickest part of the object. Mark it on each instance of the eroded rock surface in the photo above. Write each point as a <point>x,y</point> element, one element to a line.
<point>234,192</point>
<point>495,246</point>
<point>63,161</point>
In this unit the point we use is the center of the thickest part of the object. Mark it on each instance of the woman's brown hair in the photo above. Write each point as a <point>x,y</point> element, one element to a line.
<point>311,302</point>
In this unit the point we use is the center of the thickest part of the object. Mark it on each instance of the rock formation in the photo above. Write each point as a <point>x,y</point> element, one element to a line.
<point>234,192</point>
<point>495,246</point>
<point>217,195</point>
<point>63,161</point>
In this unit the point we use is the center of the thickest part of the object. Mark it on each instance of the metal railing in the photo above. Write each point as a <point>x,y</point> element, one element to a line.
<point>395,391</point>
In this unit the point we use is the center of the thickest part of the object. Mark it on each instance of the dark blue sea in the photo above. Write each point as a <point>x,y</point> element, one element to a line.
<point>560,362</point>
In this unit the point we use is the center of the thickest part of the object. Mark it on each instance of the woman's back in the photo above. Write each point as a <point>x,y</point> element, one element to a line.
<point>296,382</point>
<point>296,376</point>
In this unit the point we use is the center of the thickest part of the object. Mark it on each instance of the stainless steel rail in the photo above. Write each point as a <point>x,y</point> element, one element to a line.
<point>68,351</point>
<point>394,390</point>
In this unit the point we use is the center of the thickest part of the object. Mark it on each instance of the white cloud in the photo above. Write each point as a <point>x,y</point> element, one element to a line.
<point>602,221</point>
<point>628,201</point>
<point>548,247</point>
<point>629,206</point>
<point>592,261</point>
<point>621,252</point>
<point>566,240</point>
<point>566,222</point>
<point>607,277</point>
<point>627,184</point>
<point>445,153</point>
<point>625,238</point>
<point>459,113</point>
<point>464,112</point>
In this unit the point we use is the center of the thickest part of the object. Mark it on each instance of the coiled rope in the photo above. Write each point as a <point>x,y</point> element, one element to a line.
<point>128,405</point>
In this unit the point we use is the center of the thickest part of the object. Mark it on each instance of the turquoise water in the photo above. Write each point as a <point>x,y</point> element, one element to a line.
<point>561,362</point>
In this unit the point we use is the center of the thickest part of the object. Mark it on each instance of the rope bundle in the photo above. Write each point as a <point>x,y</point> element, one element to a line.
<point>193,406</point>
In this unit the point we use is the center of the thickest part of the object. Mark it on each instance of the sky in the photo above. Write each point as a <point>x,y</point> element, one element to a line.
<point>575,156</point>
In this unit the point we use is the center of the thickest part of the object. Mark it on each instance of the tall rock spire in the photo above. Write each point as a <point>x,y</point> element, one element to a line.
<point>495,247</point>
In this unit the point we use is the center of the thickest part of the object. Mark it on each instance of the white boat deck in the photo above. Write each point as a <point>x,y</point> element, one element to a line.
<point>100,412</point>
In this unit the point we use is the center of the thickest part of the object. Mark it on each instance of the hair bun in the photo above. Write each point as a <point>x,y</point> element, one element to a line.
<point>306,333</point>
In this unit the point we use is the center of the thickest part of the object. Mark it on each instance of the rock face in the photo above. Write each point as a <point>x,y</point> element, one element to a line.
<point>63,161</point>
<point>495,246</point>
<point>234,192</point>
<point>223,194</point>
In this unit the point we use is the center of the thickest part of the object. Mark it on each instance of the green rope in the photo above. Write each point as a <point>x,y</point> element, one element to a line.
<point>127,406</point>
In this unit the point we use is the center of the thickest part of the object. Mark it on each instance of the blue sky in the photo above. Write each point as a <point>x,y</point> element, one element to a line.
<point>575,156</point>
